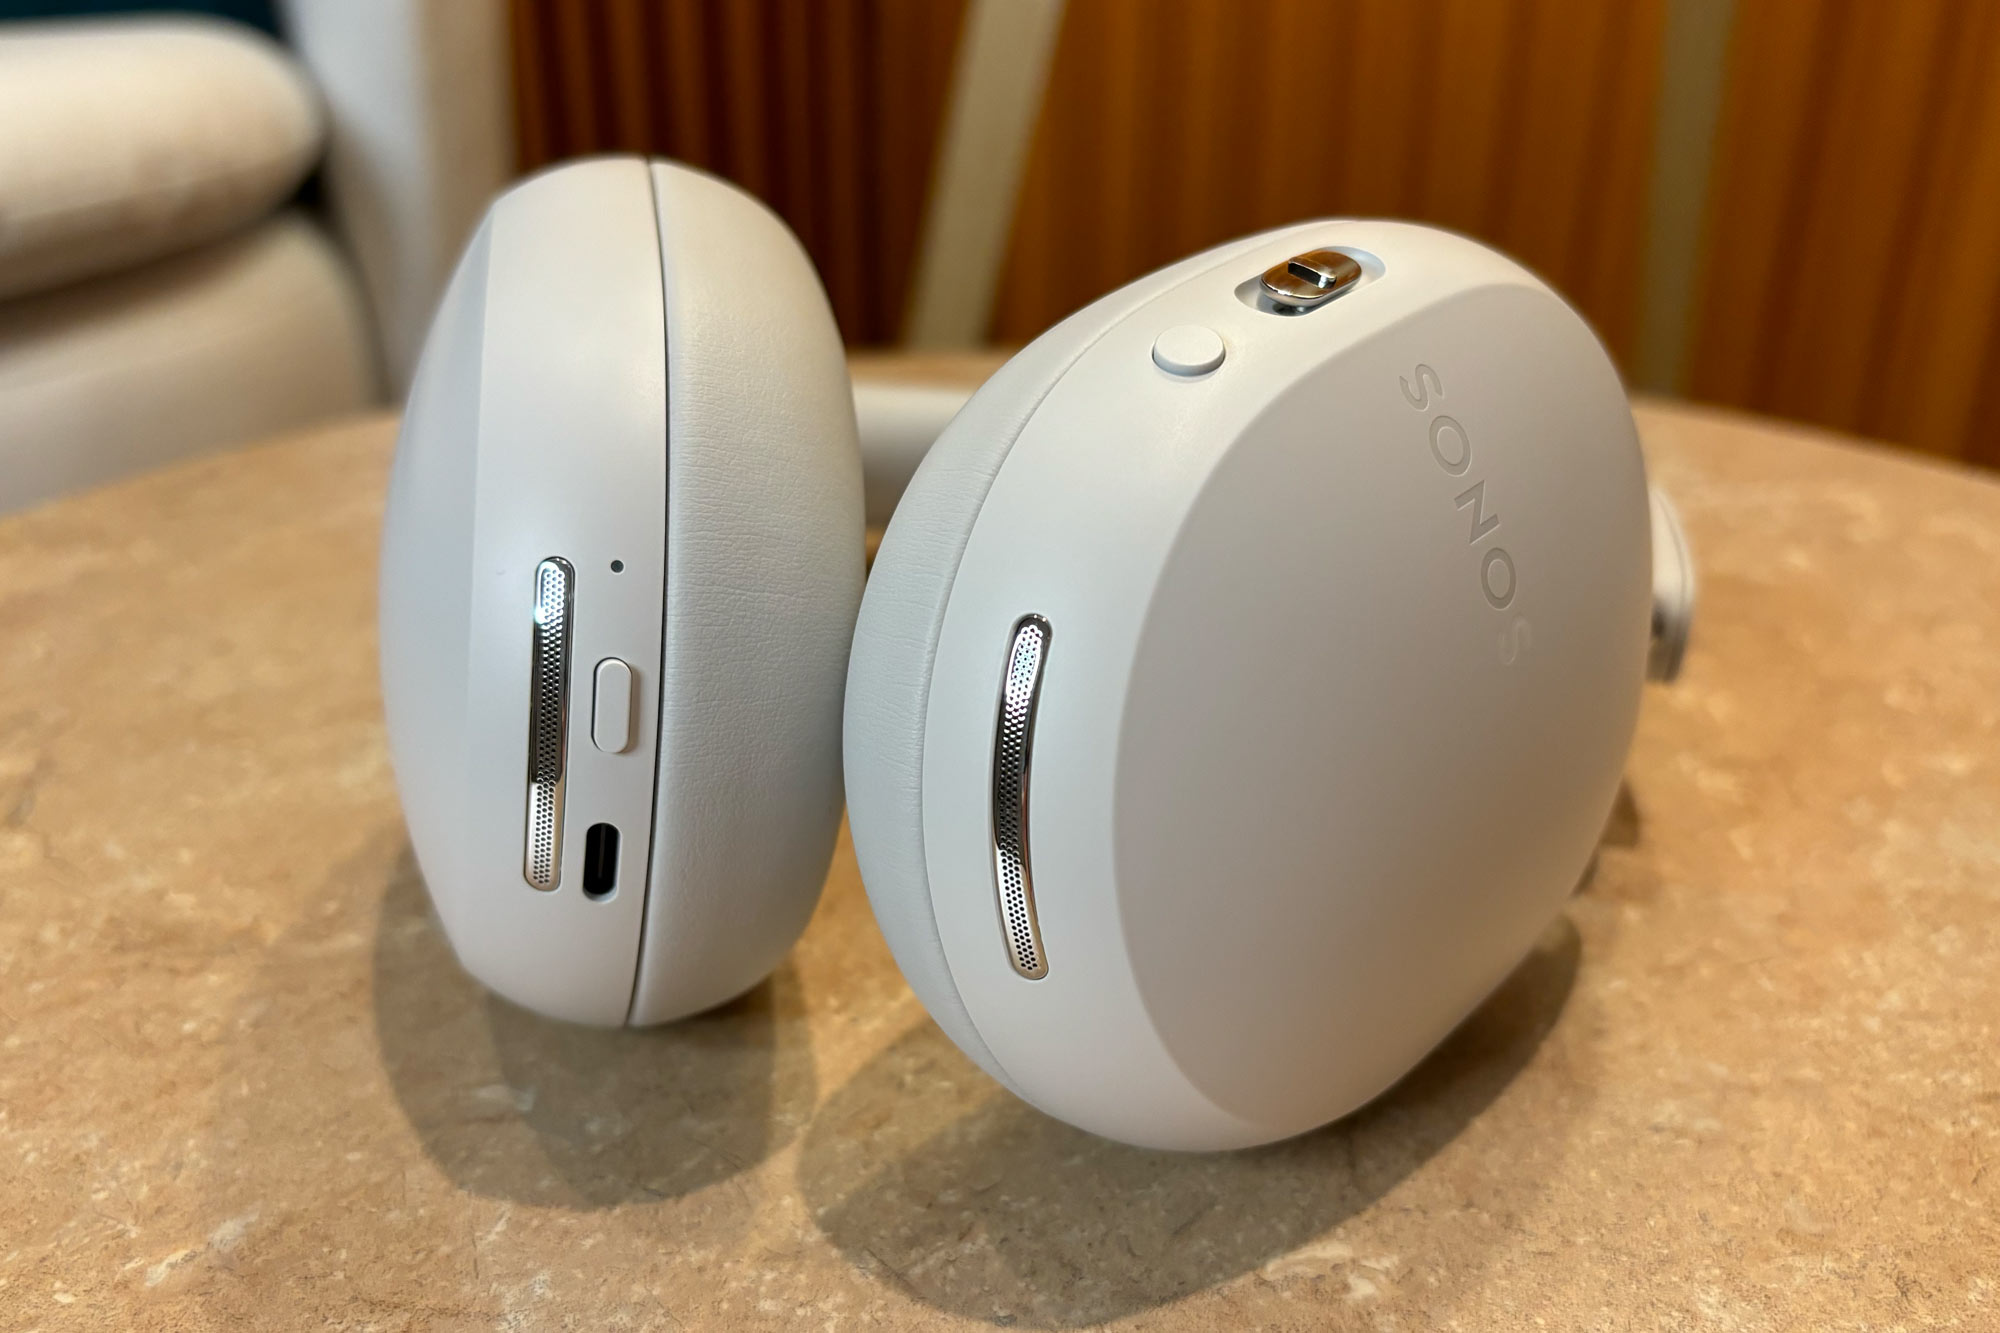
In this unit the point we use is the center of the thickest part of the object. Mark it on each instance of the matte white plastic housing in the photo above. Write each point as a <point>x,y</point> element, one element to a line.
<point>1343,651</point>
<point>603,388</point>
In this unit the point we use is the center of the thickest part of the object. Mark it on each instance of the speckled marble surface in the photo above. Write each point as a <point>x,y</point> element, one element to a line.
<point>1750,1081</point>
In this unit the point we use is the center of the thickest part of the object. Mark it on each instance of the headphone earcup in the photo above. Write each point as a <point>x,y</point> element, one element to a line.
<point>888,674</point>
<point>764,575</point>
<point>620,567</point>
<point>896,637</point>
<point>1250,621</point>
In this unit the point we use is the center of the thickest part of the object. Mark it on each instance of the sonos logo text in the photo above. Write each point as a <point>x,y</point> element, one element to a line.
<point>1451,450</point>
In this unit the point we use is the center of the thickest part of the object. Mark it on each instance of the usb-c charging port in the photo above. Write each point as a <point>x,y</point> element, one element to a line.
<point>600,860</point>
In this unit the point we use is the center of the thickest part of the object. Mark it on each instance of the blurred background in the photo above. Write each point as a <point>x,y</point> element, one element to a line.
<point>1786,206</point>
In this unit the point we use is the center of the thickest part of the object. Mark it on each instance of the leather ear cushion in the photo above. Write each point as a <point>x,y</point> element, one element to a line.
<point>889,671</point>
<point>895,639</point>
<point>764,573</point>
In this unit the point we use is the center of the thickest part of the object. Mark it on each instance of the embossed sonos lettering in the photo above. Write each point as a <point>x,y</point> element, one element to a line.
<point>1451,450</point>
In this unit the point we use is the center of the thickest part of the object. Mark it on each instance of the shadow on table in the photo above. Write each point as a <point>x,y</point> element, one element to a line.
<point>970,1201</point>
<point>516,1106</point>
<point>1623,827</point>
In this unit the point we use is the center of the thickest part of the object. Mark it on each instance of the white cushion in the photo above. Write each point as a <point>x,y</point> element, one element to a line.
<point>248,336</point>
<point>125,139</point>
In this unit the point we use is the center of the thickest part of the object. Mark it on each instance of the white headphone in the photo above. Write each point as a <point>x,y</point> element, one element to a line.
<point>1241,685</point>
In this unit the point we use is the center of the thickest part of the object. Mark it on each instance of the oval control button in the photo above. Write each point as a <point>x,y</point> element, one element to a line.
<point>611,707</point>
<point>1188,349</point>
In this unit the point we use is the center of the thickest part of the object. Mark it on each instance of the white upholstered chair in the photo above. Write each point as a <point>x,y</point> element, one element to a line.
<point>160,293</point>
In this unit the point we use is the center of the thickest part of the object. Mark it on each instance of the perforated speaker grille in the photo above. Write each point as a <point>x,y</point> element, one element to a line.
<point>1013,749</point>
<point>548,721</point>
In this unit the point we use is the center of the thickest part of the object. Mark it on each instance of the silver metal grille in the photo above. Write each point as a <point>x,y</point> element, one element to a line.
<point>1013,748</point>
<point>548,721</point>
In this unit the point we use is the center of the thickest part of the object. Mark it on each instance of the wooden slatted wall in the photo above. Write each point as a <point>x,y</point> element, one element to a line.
<point>826,109</point>
<point>1852,262</point>
<point>1175,124</point>
<point>1851,250</point>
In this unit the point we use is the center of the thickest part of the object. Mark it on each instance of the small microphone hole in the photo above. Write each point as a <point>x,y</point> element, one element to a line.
<point>600,861</point>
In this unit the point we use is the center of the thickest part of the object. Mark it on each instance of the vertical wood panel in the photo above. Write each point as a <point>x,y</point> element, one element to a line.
<point>1937,388</point>
<point>625,40</point>
<point>1174,124</point>
<point>1382,133</point>
<point>1842,251</point>
<point>1120,157</point>
<point>788,41</point>
<point>533,120</point>
<point>740,62</point>
<point>829,111</point>
<point>688,132</point>
<point>910,46</point>
<point>1767,126</point>
<point>844,219</point>
<point>1552,172</point>
<point>1606,275</point>
<point>578,84</point>
<point>1213,107</point>
<point>1307,116</point>
<point>1475,59</point>
<point>1852,253</point>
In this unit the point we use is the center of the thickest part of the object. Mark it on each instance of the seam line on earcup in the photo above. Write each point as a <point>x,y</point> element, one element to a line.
<point>666,574</point>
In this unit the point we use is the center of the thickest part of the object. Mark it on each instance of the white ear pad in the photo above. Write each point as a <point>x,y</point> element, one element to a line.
<point>764,575</point>
<point>634,387</point>
<point>895,640</point>
<point>888,676</point>
<point>1346,640</point>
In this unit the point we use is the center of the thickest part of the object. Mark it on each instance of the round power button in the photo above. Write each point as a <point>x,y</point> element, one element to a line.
<point>1188,349</point>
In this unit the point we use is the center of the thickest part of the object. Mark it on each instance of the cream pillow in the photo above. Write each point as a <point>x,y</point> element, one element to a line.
<point>123,139</point>
<point>257,333</point>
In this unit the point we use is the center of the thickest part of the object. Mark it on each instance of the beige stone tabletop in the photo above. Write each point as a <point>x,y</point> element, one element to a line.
<point>1751,1081</point>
